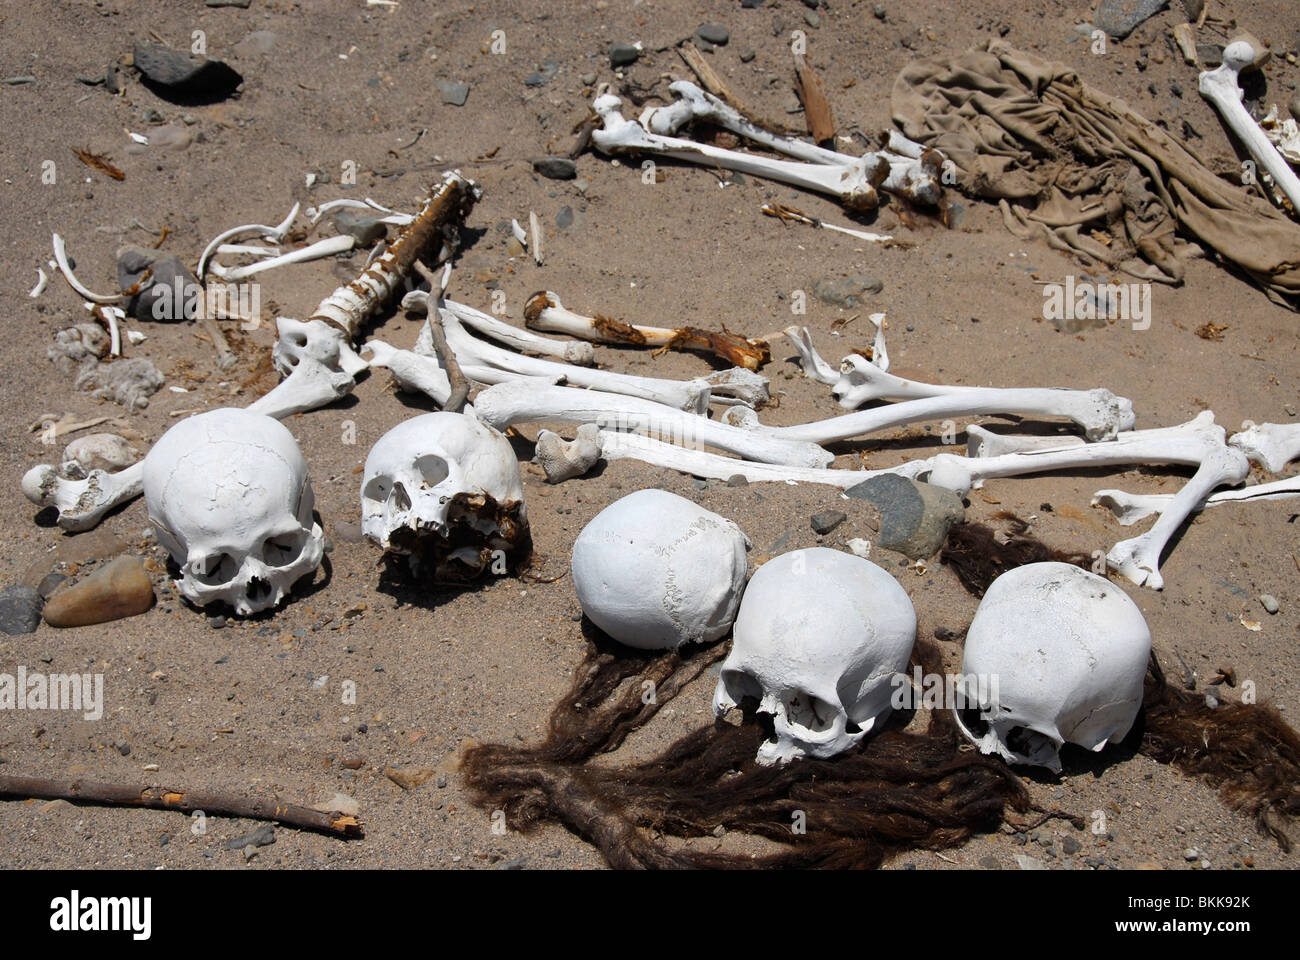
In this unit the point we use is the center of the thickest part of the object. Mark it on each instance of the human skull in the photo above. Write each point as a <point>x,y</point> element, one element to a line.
<point>821,641</point>
<point>229,496</point>
<point>655,571</point>
<point>443,489</point>
<point>1054,655</point>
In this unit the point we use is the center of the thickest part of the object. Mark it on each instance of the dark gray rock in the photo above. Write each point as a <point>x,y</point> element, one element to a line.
<point>878,11</point>
<point>846,291</point>
<point>564,217</point>
<point>453,92</point>
<point>827,520</point>
<point>365,229</point>
<point>20,609</point>
<point>714,33</point>
<point>242,4</point>
<point>746,54</point>
<point>623,54</point>
<point>556,168</point>
<point>170,293</point>
<point>1070,846</point>
<point>177,75</point>
<point>752,4</point>
<point>1118,18</point>
<point>543,75</point>
<point>914,517</point>
<point>49,583</point>
<point>263,836</point>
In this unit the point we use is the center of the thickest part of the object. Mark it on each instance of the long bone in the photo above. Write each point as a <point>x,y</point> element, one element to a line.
<point>1099,412</point>
<point>506,404</point>
<point>734,386</point>
<point>853,185</point>
<point>82,503</point>
<point>913,176</point>
<point>1220,87</point>
<point>1271,445</point>
<point>1199,442</point>
<point>544,311</point>
<point>582,354</point>
<point>1129,508</point>
<point>316,355</point>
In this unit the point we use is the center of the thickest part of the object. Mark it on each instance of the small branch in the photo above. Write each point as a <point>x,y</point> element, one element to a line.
<point>157,798</point>
<point>713,83</point>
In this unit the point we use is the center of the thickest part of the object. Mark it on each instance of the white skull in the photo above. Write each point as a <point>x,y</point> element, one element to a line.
<point>655,571</point>
<point>821,641</point>
<point>444,490</point>
<point>1060,655</point>
<point>229,496</point>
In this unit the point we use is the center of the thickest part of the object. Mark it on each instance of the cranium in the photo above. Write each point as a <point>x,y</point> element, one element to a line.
<point>444,490</point>
<point>819,640</point>
<point>229,497</point>
<point>1065,652</point>
<point>655,571</point>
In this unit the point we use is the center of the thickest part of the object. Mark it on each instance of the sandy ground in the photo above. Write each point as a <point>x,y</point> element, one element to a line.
<point>237,708</point>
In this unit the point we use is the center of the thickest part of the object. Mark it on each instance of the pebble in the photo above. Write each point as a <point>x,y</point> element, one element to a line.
<point>453,92</point>
<point>1071,846</point>
<point>859,547</point>
<point>263,836</point>
<point>813,20</point>
<point>97,451</point>
<point>1025,862</point>
<point>623,54</point>
<point>914,517</point>
<point>1191,853</point>
<point>408,778</point>
<point>217,623</point>
<point>541,77</point>
<point>564,217</point>
<point>20,609</point>
<point>714,33</point>
<point>587,78</point>
<point>746,54</point>
<point>186,75</point>
<point>556,168</point>
<point>366,229</point>
<point>49,584</point>
<point>1118,17</point>
<point>120,588</point>
<point>846,291</point>
<point>242,4</point>
<point>1269,602</point>
<point>340,803</point>
<point>827,520</point>
<point>157,299</point>
<point>990,862</point>
<point>878,11</point>
<point>737,480</point>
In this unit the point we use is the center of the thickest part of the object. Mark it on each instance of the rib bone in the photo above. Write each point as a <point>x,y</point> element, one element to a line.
<point>522,402</point>
<point>1129,508</point>
<point>1219,86</point>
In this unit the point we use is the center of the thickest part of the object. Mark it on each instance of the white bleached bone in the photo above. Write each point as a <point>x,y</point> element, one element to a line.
<point>1054,655</point>
<point>230,498</point>
<point>853,185</point>
<point>814,367</point>
<point>82,503</point>
<point>61,260</point>
<point>1283,134</point>
<point>327,247</point>
<point>820,644</point>
<point>42,281</point>
<point>914,176</point>
<point>544,311</point>
<point>656,571</point>
<point>523,402</point>
<point>1129,508</point>
<point>97,451</point>
<point>249,249</point>
<point>1271,445</point>
<point>275,234</point>
<point>1220,87</point>
<point>582,354</point>
<point>390,216</point>
<point>986,443</point>
<point>565,459</point>
<point>1099,412</point>
<point>783,212</point>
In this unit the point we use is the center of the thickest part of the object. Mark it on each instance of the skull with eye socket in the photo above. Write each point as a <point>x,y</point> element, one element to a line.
<point>229,496</point>
<point>443,490</point>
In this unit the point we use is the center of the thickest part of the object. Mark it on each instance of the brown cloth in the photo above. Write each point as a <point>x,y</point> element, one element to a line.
<point>1096,177</point>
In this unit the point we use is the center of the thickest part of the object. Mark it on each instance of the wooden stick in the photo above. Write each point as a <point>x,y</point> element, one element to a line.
<point>816,108</point>
<point>157,798</point>
<point>713,83</point>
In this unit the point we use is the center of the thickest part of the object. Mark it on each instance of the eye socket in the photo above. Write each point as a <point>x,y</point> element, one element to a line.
<point>432,468</point>
<point>284,549</point>
<point>810,712</point>
<point>214,569</point>
<point>377,489</point>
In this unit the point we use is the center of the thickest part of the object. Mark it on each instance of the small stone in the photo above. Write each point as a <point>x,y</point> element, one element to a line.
<point>119,589</point>
<point>914,517</point>
<point>408,778</point>
<point>556,168</point>
<point>859,547</point>
<point>453,92</point>
<point>217,623</point>
<point>714,33</point>
<point>1191,853</point>
<point>587,79</point>
<point>123,748</point>
<point>623,54</point>
<point>20,609</point>
<point>365,229</point>
<point>49,584</point>
<point>878,11</point>
<point>263,836</point>
<point>157,299</point>
<point>737,480</point>
<point>564,217</point>
<point>1118,18</point>
<point>1210,54</point>
<point>1269,602</point>
<point>990,862</point>
<point>956,215</point>
<point>1025,862</point>
<point>827,520</point>
<point>183,75</point>
<point>1211,701</point>
<point>340,803</point>
<point>813,20</point>
<point>1071,846</point>
<point>746,54</point>
<point>514,248</point>
<point>242,4</point>
<point>847,291</point>
<point>97,451</point>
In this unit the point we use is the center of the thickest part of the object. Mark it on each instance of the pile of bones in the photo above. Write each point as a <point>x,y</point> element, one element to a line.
<point>818,634</point>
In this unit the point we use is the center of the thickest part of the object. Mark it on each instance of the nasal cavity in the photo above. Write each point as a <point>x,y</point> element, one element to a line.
<point>258,589</point>
<point>399,499</point>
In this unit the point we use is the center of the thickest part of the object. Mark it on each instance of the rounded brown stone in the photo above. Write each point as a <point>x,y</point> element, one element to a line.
<point>120,588</point>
